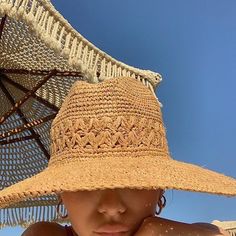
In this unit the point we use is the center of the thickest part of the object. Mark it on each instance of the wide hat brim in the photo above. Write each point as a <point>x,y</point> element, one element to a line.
<point>125,172</point>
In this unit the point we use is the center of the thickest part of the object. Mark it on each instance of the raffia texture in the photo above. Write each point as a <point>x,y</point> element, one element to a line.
<point>36,37</point>
<point>111,135</point>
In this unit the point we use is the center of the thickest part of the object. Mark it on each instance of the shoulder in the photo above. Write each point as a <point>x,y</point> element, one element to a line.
<point>201,226</point>
<point>212,227</point>
<point>45,228</point>
<point>162,225</point>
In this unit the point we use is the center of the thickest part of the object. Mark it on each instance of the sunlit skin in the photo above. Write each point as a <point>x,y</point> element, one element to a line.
<point>88,210</point>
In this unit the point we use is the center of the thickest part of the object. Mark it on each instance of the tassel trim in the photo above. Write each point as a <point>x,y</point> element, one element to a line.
<point>25,216</point>
<point>58,34</point>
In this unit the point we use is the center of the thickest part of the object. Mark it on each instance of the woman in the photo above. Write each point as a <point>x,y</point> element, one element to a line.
<point>116,210</point>
<point>110,165</point>
<point>126,206</point>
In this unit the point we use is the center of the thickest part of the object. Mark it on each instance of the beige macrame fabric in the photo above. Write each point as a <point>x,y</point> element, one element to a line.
<point>229,226</point>
<point>111,135</point>
<point>34,40</point>
<point>38,34</point>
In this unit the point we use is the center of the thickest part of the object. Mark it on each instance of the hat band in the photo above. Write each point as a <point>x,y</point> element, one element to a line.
<point>107,134</point>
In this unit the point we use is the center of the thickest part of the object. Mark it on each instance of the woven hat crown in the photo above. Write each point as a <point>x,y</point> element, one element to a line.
<point>117,115</point>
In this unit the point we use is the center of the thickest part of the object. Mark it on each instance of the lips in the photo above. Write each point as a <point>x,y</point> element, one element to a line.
<point>112,230</point>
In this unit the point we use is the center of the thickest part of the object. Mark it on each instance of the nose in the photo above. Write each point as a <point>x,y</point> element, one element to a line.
<point>110,203</point>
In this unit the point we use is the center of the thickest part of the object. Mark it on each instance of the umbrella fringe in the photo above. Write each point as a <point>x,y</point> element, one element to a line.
<point>24,217</point>
<point>58,34</point>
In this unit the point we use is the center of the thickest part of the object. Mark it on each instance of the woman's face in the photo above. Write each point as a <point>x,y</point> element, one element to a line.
<point>90,210</point>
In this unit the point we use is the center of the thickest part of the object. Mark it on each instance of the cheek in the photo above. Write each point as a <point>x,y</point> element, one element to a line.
<point>80,211</point>
<point>74,203</point>
<point>143,203</point>
<point>79,205</point>
<point>149,204</point>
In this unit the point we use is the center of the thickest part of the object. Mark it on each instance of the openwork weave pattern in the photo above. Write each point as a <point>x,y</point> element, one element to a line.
<point>96,136</point>
<point>99,138</point>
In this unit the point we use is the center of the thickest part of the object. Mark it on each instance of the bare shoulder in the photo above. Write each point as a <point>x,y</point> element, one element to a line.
<point>163,226</point>
<point>44,228</point>
<point>202,225</point>
<point>212,227</point>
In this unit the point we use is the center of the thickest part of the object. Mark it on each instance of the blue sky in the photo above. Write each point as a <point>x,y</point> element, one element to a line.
<point>192,44</point>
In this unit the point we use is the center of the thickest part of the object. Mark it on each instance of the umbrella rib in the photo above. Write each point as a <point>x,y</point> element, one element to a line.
<point>26,123</point>
<point>25,90</point>
<point>27,96</point>
<point>3,21</point>
<point>41,72</point>
<point>20,139</point>
<point>27,126</point>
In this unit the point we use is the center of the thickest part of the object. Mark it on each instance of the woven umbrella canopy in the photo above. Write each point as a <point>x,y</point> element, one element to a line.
<point>41,56</point>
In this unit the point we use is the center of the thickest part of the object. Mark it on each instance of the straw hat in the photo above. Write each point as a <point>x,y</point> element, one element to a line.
<point>41,56</point>
<point>111,135</point>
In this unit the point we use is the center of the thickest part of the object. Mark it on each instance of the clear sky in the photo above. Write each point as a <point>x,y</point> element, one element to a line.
<point>192,44</point>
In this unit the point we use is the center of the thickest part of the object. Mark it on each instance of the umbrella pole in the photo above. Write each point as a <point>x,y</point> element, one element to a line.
<point>41,72</point>
<point>20,113</point>
<point>2,25</point>
<point>25,90</point>
<point>26,97</point>
<point>3,75</point>
<point>29,93</point>
<point>26,126</point>
<point>15,140</point>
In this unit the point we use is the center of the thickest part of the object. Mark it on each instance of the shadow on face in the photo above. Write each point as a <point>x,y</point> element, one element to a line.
<point>88,210</point>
